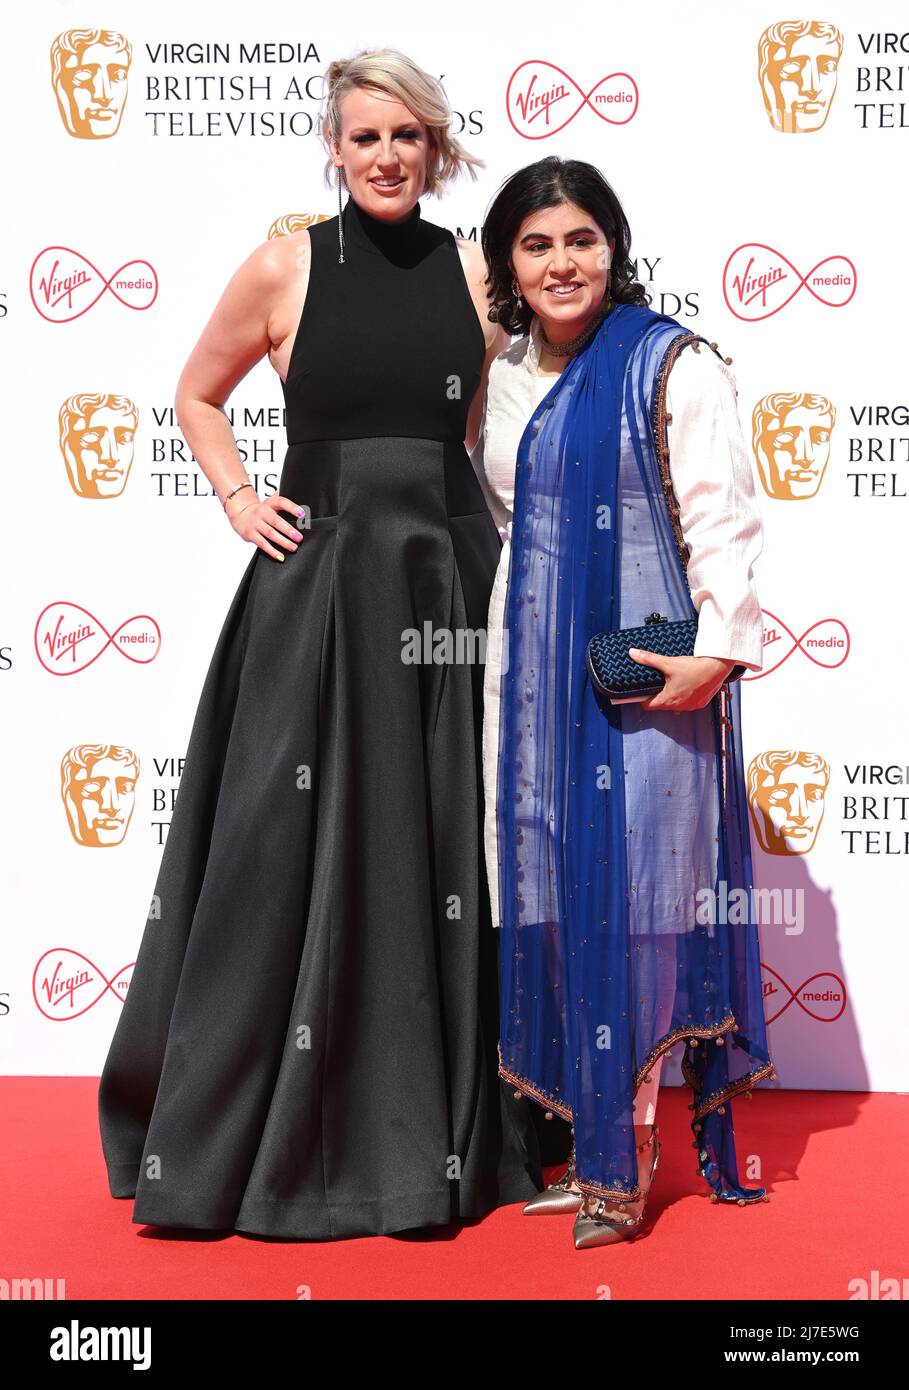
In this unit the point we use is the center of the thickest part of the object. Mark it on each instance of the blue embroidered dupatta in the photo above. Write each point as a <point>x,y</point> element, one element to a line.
<point>611,821</point>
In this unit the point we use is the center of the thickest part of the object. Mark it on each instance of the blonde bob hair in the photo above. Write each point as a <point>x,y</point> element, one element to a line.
<point>387,70</point>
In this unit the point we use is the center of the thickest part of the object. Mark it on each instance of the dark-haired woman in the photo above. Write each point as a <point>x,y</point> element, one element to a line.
<point>606,824</point>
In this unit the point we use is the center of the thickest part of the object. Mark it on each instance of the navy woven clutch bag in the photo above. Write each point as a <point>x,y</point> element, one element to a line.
<point>616,674</point>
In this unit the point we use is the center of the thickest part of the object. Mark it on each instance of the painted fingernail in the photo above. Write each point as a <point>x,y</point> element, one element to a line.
<point>281,558</point>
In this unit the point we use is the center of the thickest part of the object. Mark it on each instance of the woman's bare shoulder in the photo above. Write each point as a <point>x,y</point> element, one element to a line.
<point>474,265</point>
<point>270,263</point>
<point>473,261</point>
<point>251,318</point>
<point>272,282</point>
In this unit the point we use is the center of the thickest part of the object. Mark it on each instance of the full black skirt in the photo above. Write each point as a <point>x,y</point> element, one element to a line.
<point>308,1046</point>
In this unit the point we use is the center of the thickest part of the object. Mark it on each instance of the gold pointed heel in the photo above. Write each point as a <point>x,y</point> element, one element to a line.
<point>558,1196</point>
<point>598,1223</point>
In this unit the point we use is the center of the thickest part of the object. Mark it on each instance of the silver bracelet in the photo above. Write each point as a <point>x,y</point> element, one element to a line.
<point>233,490</point>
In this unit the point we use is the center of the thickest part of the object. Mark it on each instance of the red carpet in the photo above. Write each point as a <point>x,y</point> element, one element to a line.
<point>826,1223</point>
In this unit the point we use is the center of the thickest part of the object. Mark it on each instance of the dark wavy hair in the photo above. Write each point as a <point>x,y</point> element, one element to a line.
<point>546,184</point>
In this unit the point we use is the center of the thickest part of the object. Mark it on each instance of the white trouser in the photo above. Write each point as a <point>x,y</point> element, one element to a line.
<point>645,1102</point>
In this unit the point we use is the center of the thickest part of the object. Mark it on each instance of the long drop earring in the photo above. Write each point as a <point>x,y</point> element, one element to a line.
<point>340,220</point>
<point>517,293</point>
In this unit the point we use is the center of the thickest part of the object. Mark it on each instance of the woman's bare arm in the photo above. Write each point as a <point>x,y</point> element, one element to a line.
<point>235,338</point>
<point>497,339</point>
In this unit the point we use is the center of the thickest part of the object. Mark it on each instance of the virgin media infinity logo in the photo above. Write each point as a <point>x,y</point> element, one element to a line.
<point>541,99</point>
<point>830,1001</point>
<point>64,988</point>
<point>64,285</point>
<point>831,644</point>
<point>758,281</point>
<point>67,643</point>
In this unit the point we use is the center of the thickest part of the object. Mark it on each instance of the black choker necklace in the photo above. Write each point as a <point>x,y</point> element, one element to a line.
<point>574,345</point>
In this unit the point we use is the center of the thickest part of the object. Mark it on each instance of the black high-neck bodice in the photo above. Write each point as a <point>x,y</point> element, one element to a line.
<point>389,342</point>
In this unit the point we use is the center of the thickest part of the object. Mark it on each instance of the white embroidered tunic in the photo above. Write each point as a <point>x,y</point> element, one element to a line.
<point>718,513</point>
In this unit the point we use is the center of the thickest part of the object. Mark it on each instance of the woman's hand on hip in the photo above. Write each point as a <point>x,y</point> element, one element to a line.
<point>259,522</point>
<point>690,681</point>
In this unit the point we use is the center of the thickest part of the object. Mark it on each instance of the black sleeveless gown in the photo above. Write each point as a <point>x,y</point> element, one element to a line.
<point>308,1046</point>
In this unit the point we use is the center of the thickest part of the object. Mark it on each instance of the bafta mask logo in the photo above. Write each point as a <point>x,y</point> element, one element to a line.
<point>786,790</point>
<point>98,441</point>
<point>797,67</point>
<point>99,792</point>
<point>90,71</point>
<point>294,222</point>
<point>791,440</point>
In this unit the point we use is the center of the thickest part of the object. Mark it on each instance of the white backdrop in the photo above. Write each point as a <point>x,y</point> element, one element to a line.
<point>190,180</point>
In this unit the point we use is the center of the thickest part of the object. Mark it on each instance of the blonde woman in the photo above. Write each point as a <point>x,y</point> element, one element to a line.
<point>308,1046</point>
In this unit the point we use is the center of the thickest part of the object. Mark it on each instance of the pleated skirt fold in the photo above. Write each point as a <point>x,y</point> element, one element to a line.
<point>307,1048</point>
